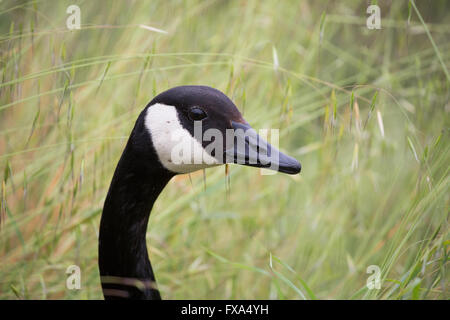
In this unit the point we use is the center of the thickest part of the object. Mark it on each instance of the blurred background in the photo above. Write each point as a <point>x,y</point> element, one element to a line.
<point>365,111</point>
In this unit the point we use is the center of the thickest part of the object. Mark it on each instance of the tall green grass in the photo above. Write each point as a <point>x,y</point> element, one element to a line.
<point>365,111</point>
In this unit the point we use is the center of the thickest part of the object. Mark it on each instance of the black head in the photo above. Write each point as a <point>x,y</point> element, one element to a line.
<point>194,127</point>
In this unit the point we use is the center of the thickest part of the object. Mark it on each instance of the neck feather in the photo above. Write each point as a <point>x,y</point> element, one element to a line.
<point>125,268</point>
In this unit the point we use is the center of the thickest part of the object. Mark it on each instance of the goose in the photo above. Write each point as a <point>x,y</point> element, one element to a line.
<point>147,164</point>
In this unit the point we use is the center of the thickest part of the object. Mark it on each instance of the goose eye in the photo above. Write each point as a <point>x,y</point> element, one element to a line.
<point>197,114</point>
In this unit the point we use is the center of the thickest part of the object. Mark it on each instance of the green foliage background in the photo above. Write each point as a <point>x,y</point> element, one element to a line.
<point>365,111</point>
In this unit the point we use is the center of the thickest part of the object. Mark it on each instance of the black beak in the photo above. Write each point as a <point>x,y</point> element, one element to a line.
<point>250,149</point>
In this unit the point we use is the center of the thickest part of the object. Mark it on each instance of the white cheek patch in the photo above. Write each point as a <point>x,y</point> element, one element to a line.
<point>177,149</point>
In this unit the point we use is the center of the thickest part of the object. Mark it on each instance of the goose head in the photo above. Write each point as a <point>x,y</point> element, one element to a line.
<point>196,127</point>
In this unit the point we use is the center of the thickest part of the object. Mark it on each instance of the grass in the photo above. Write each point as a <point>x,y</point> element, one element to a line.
<point>365,111</point>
